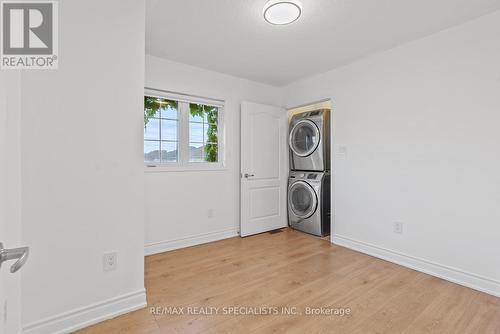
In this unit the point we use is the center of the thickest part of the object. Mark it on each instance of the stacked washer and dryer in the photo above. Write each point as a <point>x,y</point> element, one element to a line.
<point>309,180</point>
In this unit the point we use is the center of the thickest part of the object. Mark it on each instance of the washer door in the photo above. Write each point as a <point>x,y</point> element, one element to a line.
<point>302,199</point>
<point>304,138</point>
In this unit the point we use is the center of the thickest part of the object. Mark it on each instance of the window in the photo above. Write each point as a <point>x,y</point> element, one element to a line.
<point>203,139</point>
<point>181,133</point>
<point>160,130</point>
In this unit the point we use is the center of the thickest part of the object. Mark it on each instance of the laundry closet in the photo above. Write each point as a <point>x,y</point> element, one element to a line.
<point>285,168</point>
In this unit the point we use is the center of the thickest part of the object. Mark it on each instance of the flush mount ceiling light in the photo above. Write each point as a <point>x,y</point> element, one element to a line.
<point>282,12</point>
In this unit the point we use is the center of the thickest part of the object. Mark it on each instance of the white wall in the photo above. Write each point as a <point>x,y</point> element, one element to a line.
<point>10,200</point>
<point>421,128</point>
<point>178,203</point>
<point>82,173</point>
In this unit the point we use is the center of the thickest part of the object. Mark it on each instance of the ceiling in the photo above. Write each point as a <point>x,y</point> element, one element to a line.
<point>231,36</point>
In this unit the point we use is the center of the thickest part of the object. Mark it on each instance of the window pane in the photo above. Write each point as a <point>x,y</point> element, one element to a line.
<point>155,107</point>
<point>169,112</point>
<point>202,113</point>
<point>151,151</point>
<point>169,151</point>
<point>196,152</point>
<point>153,104</point>
<point>152,129</point>
<point>203,133</point>
<point>168,130</point>
<point>195,118</point>
<point>203,153</point>
<point>196,132</point>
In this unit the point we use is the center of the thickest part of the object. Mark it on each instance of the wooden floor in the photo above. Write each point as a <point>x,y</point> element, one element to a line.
<point>297,271</point>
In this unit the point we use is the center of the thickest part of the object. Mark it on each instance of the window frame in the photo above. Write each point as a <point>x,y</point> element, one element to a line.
<point>183,163</point>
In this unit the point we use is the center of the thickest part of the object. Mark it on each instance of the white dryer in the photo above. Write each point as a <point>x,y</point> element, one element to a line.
<point>309,202</point>
<point>309,141</point>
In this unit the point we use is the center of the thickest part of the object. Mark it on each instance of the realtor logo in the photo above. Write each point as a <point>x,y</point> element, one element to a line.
<point>29,35</point>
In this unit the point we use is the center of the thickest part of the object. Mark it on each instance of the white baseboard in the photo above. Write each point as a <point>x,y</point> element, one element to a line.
<point>71,321</point>
<point>470,280</point>
<point>192,240</point>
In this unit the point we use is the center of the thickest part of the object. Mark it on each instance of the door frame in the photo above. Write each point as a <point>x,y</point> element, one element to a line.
<point>332,152</point>
<point>10,83</point>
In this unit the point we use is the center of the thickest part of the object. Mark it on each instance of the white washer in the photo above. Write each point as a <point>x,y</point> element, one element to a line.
<point>309,141</point>
<point>309,202</point>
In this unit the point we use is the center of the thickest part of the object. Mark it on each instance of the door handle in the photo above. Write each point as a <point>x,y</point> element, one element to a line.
<point>248,175</point>
<point>19,254</point>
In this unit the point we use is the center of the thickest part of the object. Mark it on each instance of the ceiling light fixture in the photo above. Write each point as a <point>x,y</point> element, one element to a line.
<point>282,12</point>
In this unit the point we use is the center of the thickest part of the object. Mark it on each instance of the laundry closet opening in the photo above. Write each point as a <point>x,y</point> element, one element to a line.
<point>310,185</point>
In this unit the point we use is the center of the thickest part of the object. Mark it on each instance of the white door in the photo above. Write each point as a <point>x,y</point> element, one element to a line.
<point>264,168</point>
<point>10,313</point>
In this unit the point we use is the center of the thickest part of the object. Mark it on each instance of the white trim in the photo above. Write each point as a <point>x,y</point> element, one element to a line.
<point>83,317</point>
<point>183,134</point>
<point>192,240</point>
<point>470,280</point>
<point>201,167</point>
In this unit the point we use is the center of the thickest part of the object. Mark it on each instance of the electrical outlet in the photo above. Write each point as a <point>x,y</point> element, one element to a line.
<point>398,227</point>
<point>210,213</point>
<point>109,261</point>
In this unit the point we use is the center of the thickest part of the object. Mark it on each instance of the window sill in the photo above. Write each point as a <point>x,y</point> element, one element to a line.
<point>188,168</point>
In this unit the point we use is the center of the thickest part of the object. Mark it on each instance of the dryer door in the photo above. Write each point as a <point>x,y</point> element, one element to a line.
<point>302,199</point>
<point>304,138</point>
